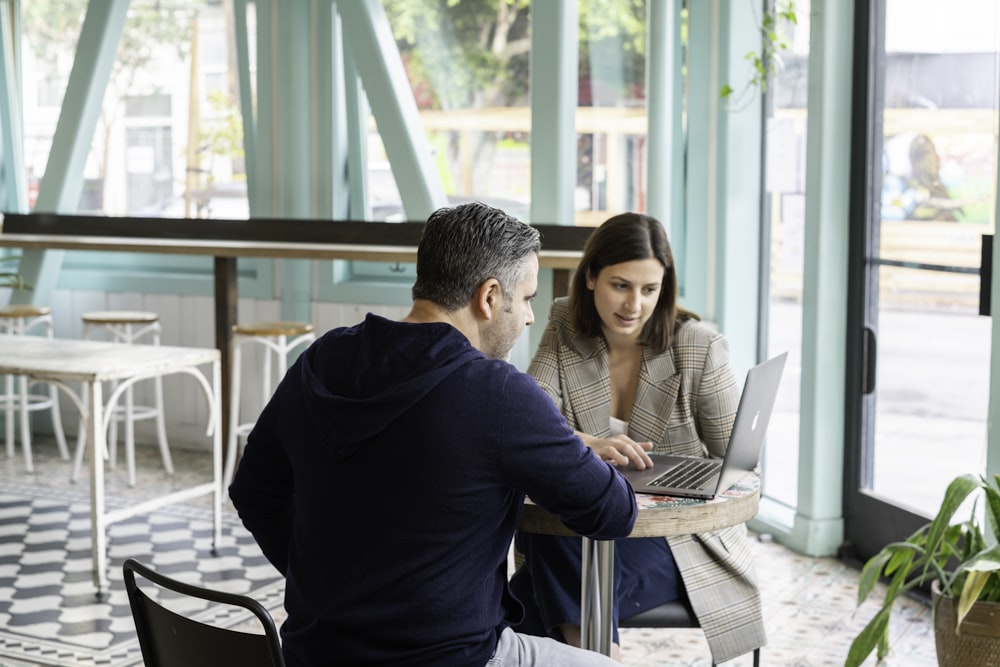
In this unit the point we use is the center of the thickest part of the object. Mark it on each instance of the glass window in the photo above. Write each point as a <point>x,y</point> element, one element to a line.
<point>146,157</point>
<point>469,69</point>
<point>784,212</point>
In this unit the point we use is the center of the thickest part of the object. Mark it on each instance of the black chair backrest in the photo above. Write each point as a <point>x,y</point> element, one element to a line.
<point>168,639</point>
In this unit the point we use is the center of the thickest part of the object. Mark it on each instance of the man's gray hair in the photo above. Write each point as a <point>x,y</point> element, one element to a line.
<point>464,246</point>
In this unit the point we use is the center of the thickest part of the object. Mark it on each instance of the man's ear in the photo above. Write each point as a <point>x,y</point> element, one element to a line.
<point>487,299</point>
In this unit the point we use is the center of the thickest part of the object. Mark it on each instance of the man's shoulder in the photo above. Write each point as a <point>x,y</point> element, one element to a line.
<point>499,378</point>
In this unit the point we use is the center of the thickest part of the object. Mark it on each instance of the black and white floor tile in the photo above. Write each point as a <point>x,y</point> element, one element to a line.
<point>49,615</point>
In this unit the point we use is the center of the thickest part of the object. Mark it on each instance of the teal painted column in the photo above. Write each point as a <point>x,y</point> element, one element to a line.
<point>554,98</point>
<point>330,186</point>
<point>555,55</point>
<point>266,119</point>
<point>291,128</point>
<point>61,185</point>
<point>819,524</point>
<point>737,192</point>
<point>293,107</point>
<point>665,111</point>
<point>721,269</point>
<point>295,77</point>
<point>697,273</point>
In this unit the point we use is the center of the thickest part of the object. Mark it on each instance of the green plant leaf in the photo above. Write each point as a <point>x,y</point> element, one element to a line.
<point>981,569</point>
<point>970,592</point>
<point>870,573</point>
<point>954,496</point>
<point>992,494</point>
<point>871,636</point>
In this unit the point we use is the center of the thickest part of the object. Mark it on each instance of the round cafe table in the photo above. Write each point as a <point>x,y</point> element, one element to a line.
<point>659,516</point>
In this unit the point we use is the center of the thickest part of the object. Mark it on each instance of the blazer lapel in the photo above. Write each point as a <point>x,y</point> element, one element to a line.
<point>588,385</point>
<point>588,388</point>
<point>655,395</point>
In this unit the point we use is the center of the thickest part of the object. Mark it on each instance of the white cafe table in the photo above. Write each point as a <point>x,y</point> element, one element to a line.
<point>659,516</point>
<point>64,361</point>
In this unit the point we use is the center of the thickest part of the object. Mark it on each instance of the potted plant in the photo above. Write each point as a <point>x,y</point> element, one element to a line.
<point>962,566</point>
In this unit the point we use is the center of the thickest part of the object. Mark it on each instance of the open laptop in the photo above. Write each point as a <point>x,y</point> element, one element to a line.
<point>699,477</point>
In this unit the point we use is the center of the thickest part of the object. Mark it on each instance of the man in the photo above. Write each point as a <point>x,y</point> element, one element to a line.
<point>386,476</point>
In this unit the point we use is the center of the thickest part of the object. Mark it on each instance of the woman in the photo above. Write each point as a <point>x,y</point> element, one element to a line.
<point>632,371</point>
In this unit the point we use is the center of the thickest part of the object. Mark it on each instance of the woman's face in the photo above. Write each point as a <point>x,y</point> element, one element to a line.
<point>625,296</point>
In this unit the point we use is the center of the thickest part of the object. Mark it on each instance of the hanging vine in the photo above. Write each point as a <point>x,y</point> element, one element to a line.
<point>768,60</point>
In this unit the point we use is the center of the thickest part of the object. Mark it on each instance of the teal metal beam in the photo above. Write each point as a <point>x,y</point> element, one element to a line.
<point>356,108</point>
<point>13,185</point>
<point>266,111</point>
<point>61,185</point>
<point>330,125</point>
<point>373,47</point>
<point>555,55</point>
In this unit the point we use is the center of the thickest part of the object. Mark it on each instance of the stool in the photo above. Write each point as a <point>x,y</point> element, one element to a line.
<point>278,339</point>
<point>26,320</point>
<point>127,326</point>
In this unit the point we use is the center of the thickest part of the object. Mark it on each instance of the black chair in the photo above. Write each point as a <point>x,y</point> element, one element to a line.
<point>168,639</point>
<point>676,614</point>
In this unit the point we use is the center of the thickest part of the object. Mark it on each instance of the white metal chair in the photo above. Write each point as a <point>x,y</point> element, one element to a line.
<point>128,326</point>
<point>17,401</point>
<point>278,340</point>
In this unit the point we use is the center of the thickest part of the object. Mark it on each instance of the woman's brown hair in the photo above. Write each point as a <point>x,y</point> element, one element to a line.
<point>624,238</point>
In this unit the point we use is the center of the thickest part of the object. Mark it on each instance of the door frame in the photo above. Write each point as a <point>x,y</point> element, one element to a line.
<point>869,522</point>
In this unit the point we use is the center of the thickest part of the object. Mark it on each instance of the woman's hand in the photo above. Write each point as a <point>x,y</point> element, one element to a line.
<point>620,450</point>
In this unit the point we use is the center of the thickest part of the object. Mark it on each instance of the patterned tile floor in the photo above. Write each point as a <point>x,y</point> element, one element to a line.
<point>809,603</point>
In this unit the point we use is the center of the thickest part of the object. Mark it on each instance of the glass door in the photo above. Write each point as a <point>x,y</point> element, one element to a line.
<point>926,130</point>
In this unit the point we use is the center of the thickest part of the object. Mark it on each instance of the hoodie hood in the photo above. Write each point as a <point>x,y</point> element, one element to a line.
<point>356,381</point>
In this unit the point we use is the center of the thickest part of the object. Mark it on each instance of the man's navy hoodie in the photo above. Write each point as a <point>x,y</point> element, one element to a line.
<point>384,480</point>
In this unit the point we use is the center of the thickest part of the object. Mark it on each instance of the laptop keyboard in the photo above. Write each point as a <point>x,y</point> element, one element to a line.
<point>693,474</point>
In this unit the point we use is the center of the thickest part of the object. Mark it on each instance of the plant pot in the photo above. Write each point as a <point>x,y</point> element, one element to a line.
<point>978,642</point>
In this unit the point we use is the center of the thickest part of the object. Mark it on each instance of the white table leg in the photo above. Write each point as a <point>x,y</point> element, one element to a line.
<point>217,480</point>
<point>98,534</point>
<point>22,383</point>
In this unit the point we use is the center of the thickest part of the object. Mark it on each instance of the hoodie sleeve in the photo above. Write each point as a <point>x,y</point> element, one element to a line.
<point>262,489</point>
<point>557,471</point>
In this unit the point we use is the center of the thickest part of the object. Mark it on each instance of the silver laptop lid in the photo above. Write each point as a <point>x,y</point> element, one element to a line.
<point>760,390</point>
